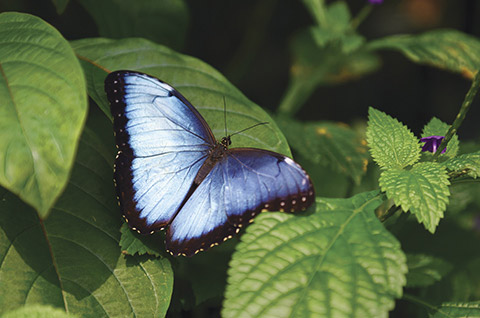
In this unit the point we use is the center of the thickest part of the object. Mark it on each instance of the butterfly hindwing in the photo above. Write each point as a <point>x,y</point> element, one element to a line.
<point>259,180</point>
<point>162,142</point>
<point>243,183</point>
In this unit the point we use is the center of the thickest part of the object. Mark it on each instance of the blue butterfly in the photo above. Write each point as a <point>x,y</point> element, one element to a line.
<point>171,171</point>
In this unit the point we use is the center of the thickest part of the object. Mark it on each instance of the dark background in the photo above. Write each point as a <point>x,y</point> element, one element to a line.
<point>248,41</point>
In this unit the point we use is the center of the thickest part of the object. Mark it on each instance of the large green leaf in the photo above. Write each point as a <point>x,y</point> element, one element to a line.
<point>337,262</point>
<point>458,310</point>
<point>436,127</point>
<point>446,49</point>
<point>164,22</point>
<point>331,144</point>
<point>37,311</point>
<point>43,104</point>
<point>423,190</point>
<point>200,83</point>
<point>391,143</point>
<point>72,260</point>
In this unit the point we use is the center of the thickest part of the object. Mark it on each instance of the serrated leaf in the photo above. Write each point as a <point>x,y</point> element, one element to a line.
<point>200,83</point>
<point>72,260</point>
<point>423,190</point>
<point>37,311</point>
<point>327,143</point>
<point>436,127</point>
<point>446,49</point>
<point>133,243</point>
<point>43,106</point>
<point>337,262</point>
<point>391,143</point>
<point>458,310</point>
<point>465,164</point>
<point>425,270</point>
<point>164,22</point>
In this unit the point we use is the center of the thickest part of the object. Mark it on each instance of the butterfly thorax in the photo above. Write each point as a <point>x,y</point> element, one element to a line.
<point>215,154</point>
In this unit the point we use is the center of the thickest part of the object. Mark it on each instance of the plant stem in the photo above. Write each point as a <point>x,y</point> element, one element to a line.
<point>317,9</point>
<point>393,209</point>
<point>361,16</point>
<point>461,114</point>
<point>297,93</point>
<point>421,302</point>
<point>418,301</point>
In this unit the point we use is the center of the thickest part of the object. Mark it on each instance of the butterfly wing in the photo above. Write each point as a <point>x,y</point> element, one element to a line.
<point>162,142</point>
<point>243,183</point>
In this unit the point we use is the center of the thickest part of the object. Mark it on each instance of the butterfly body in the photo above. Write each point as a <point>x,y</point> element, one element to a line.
<point>171,171</point>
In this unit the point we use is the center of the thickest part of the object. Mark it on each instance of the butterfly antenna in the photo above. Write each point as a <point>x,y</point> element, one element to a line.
<point>258,124</point>
<point>225,114</point>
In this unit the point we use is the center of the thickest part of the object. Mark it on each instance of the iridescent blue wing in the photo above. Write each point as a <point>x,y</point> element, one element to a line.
<point>162,142</point>
<point>244,183</point>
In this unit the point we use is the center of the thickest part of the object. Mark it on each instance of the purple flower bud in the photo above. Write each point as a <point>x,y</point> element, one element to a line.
<point>432,143</point>
<point>375,1</point>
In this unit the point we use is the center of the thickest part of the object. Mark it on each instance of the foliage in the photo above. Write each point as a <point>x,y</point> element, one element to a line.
<point>65,252</point>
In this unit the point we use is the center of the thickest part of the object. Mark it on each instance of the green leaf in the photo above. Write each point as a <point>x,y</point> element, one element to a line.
<point>201,84</point>
<point>337,60</point>
<point>331,144</point>
<point>468,164</point>
<point>423,190</point>
<point>337,262</point>
<point>446,49</point>
<point>43,105</point>
<point>436,127</point>
<point>392,144</point>
<point>315,66</point>
<point>458,310</point>
<point>37,311</point>
<point>164,22</point>
<point>425,270</point>
<point>72,260</point>
<point>60,5</point>
<point>133,243</point>
<point>336,27</point>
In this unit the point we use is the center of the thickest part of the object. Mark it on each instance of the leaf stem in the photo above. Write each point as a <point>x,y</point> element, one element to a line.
<point>421,302</point>
<point>463,181</point>
<point>361,16</point>
<point>461,114</point>
<point>297,93</point>
<point>318,11</point>
<point>393,209</point>
<point>418,301</point>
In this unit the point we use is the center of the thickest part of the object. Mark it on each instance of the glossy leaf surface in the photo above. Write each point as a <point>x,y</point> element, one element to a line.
<point>72,260</point>
<point>43,104</point>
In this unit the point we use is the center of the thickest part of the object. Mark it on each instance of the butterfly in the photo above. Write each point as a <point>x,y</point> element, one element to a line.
<point>170,171</point>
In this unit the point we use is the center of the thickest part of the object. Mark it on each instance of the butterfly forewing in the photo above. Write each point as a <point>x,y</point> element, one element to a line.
<point>162,142</point>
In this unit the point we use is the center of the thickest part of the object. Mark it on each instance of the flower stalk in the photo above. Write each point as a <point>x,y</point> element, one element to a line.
<point>461,114</point>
